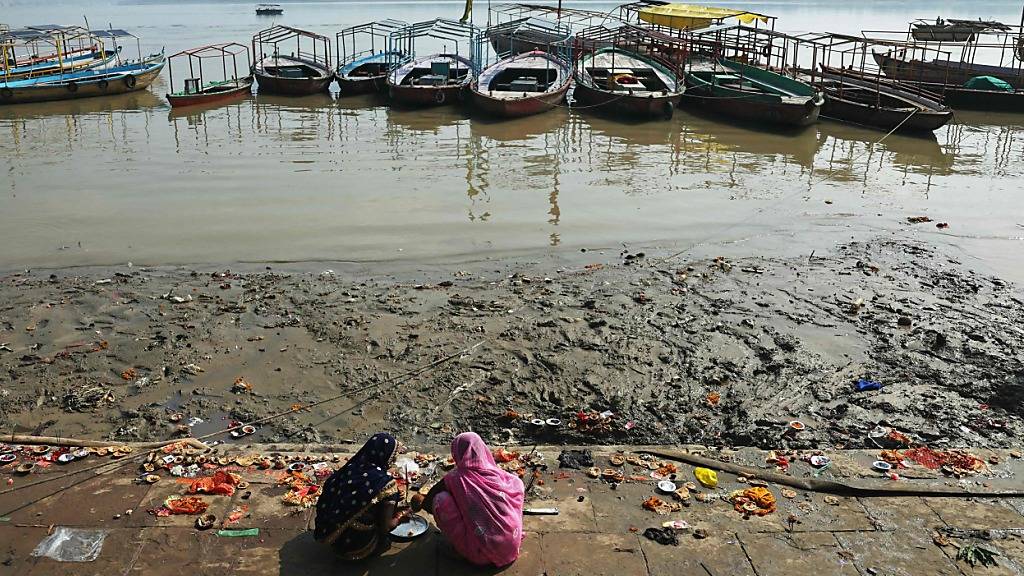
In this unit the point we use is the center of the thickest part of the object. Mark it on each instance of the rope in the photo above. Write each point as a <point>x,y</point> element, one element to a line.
<point>761,210</point>
<point>112,466</point>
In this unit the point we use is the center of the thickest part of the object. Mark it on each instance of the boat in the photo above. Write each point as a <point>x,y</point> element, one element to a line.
<point>432,80</point>
<point>269,10</point>
<point>952,30</point>
<point>294,74</point>
<point>117,79</point>
<point>944,71</point>
<point>522,85</point>
<point>202,91</point>
<point>623,82</point>
<point>878,104</point>
<point>47,50</point>
<point>747,92</point>
<point>365,70</point>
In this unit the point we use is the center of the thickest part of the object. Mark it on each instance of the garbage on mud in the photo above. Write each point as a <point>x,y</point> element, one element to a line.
<point>707,477</point>
<point>71,545</point>
<point>756,501</point>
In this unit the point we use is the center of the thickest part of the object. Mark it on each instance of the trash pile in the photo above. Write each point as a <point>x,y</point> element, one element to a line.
<point>756,501</point>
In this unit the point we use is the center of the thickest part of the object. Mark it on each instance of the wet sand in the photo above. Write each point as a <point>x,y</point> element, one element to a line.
<point>111,352</point>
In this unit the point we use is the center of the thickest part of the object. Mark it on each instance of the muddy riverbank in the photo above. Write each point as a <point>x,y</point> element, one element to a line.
<point>720,352</point>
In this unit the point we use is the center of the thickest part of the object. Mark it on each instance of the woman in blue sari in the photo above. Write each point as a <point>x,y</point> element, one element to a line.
<point>358,505</point>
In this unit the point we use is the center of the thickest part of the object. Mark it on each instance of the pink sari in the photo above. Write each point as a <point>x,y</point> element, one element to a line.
<point>481,513</point>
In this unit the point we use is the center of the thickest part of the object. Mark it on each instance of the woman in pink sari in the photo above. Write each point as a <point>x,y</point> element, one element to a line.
<point>478,506</point>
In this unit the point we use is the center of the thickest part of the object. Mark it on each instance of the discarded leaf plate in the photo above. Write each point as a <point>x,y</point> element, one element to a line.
<point>150,478</point>
<point>797,425</point>
<point>65,458</point>
<point>553,422</point>
<point>881,465</point>
<point>5,458</point>
<point>40,450</point>
<point>819,461</point>
<point>413,527</point>
<point>296,466</point>
<point>25,468</point>
<point>677,525</point>
<point>537,422</point>
<point>667,486</point>
<point>80,453</point>
<point>248,429</point>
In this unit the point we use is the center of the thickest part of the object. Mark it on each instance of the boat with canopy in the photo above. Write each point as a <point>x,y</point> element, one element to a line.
<point>198,88</point>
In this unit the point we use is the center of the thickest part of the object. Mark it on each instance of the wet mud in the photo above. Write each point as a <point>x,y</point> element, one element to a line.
<point>627,348</point>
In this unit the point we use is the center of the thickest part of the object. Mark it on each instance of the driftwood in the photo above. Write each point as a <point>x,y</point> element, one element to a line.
<point>828,486</point>
<point>61,441</point>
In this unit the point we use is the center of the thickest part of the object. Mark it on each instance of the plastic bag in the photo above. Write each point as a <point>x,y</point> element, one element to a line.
<point>71,545</point>
<point>706,477</point>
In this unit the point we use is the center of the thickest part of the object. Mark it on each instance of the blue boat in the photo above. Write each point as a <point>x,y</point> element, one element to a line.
<point>364,58</point>
<point>118,79</point>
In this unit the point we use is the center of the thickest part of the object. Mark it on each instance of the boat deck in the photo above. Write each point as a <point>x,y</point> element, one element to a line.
<point>528,74</point>
<point>618,72</point>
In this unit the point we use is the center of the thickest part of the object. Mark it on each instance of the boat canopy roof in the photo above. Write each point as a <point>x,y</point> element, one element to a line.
<point>688,16</point>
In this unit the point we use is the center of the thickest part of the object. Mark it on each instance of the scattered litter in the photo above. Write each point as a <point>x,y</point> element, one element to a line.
<point>71,545</point>
<point>192,369</point>
<point>758,501</point>
<point>241,386</point>
<point>238,533</point>
<point>576,459</point>
<point>918,219</point>
<point>663,536</point>
<point>974,555</point>
<point>864,385</point>
<point>206,521</point>
<point>221,483</point>
<point>707,477</point>
<point>182,505</point>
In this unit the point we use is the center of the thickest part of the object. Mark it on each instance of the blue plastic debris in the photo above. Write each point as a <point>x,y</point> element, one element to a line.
<point>864,385</point>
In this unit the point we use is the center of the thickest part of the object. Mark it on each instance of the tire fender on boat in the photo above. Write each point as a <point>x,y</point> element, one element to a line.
<point>439,97</point>
<point>103,84</point>
<point>668,110</point>
<point>130,81</point>
<point>72,87</point>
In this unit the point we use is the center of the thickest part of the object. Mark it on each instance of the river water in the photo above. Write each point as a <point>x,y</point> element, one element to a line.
<point>270,179</point>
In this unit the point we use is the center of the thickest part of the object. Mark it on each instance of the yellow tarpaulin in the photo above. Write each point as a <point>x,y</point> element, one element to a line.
<point>687,16</point>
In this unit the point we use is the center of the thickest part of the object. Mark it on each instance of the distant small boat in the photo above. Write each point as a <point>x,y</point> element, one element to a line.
<point>269,10</point>
<point>627,83</point>
<point>433,80</point>
<point>952,30</point>
<point>750,93</point>
<point>120,79</point>
<point>523,85</point>
<point>878,104</point>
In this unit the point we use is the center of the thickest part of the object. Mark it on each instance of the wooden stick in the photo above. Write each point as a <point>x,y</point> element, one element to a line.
<point>61,441</point>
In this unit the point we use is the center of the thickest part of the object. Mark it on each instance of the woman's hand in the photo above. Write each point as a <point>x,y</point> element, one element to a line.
<point>417,502</point>
<point>399,517</point>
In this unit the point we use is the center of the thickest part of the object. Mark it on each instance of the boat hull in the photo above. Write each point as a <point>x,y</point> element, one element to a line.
<point>292,86</point>
<point>205,99</point>
<point>756,111</point>
<point>86,88</point>
<point>422,96</point>
<point>519,107</point>
<point>354,86</point>
<point>634,106</point>
<point>887,119</point>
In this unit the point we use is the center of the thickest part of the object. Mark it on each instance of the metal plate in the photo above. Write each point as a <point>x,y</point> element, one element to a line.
<point>414,527</point>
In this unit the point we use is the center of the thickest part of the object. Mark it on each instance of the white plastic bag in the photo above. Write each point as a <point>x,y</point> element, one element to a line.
<point>71,545</point>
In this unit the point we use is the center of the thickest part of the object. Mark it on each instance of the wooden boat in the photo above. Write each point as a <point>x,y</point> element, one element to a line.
<point>750,93</point>
<point>944,71</point>
<point>367,74</point>
<point>128,77</point>
<point>877,104</point>
<point>952,30</point>
<point>626,83</point>
<point>291,76</point>
<point>364,60</point>
<point>213,92</point>
<point>33,68</point>
<point>522,85</point>
<point>269,10</point>
<point>433,80</point>
<point>956,97</point>
<point>227,85</point>
<point>299,73</point>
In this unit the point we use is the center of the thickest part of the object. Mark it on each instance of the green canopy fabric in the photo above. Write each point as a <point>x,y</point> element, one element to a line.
<point>988,83</point>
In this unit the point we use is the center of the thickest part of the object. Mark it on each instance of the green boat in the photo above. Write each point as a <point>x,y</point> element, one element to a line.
<point>750,93</point>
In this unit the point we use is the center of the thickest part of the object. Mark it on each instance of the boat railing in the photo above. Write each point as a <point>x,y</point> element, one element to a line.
<point>278,40</point>
<point>350,43</point>
<point>464,39</point>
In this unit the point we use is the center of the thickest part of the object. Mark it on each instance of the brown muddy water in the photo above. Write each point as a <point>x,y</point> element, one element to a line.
<point>125,179</point>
